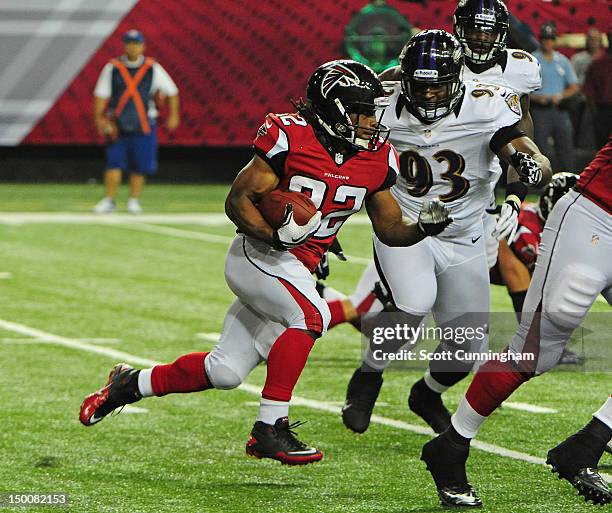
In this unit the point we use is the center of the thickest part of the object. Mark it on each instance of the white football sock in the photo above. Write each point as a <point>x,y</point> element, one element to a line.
<point>270,411</point>
<point>605,413</point>
<point>144,383</point>
<point>433,384</point>
<point>466,420</point>
<point>331,294</point>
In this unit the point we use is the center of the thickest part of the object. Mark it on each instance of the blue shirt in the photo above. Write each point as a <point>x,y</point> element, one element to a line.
<point>557,74</point>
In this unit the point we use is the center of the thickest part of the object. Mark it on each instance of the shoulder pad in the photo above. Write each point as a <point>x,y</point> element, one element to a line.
<point>287,119</point>
<point>490,102</point>
<point>527,67</point>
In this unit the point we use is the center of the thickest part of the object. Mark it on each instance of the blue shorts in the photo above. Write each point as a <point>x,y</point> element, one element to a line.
<point>135,153</point>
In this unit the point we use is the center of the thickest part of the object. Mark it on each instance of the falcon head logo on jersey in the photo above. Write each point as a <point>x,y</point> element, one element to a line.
<point>263,130</point>
<point>338,74</point>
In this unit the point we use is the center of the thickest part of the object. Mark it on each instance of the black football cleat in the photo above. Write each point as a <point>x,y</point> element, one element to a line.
<point>445,461</point>
<point>361,394</point>
<point>279,442</point>
<point>428,405</point>
<point>120,389</point>
<point>566,462</point>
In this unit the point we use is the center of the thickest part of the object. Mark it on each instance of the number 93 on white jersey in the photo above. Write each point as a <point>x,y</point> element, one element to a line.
<point>451,159</point>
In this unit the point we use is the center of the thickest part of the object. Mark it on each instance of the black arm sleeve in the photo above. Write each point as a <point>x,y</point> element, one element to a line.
<point>504,135</point>
<point>277,163</point>
<point>389,180</point>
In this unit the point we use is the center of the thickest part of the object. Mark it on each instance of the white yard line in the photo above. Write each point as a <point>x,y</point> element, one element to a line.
<point>212,337</point>
<point>531,408</point>
<point>175,232</point>
<point>140,223</point>
<point>26,341</point>
<point>128,408</point>
<point>5,275</point>
<point>299,401</point>
<point>19,218</point>
<point>207,237</point>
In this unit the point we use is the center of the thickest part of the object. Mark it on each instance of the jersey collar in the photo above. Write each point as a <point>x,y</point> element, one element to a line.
<point>336,149</point>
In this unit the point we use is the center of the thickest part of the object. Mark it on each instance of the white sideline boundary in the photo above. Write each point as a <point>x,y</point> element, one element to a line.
<point>245,387</point>
<point>146,223</point>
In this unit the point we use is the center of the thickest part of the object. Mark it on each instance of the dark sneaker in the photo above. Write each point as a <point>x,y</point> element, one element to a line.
<point>279,442</point>
<point>120,389</point>
<point>566,462</point>
<point>428,405</point>
<point>361,395</point>
<point>445,461</point>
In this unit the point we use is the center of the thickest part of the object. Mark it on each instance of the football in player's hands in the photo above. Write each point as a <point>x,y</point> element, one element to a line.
<point>273,207</point>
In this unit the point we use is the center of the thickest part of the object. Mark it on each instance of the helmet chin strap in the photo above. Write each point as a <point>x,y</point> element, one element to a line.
<point>362,143</point>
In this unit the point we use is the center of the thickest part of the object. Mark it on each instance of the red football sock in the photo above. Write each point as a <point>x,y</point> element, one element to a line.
<point>186,374</point>
<point>366,304</point>
<point>492,385</point>
<point>286,360</point>
<point>337,313</point>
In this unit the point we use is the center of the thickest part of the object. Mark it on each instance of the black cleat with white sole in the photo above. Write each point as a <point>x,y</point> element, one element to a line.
<point>565,460</point>
<point>279,442</point>
<point>445,460</point>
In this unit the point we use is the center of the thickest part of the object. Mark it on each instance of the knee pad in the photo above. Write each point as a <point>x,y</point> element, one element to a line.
<point>221,375</point>
<point>571,299</point>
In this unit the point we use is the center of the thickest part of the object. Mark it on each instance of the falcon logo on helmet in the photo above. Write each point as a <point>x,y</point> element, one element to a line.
<point>338,111</point>
<point>338,74</point>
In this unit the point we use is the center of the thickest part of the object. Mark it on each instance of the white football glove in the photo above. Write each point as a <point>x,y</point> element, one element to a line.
<point>291,234</point>
<point>507,220</point>
<point>433,217</point>
<point>528,169</point>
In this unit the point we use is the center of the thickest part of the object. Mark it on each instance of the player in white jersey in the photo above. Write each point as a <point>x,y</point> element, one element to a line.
<point>481,28</point>
<point>449,135</point>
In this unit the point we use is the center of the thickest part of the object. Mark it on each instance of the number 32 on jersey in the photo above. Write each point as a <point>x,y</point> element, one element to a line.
<point>347,198</point>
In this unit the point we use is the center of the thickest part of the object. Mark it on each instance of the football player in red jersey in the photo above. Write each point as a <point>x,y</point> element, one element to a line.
<point>572,269</point>
<point>517,258</point>
<point>335,150</point>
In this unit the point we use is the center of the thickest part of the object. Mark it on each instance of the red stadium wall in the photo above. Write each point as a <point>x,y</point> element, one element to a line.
<point>234,62</point>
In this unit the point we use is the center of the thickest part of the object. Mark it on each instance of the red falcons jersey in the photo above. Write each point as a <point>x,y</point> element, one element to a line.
<point>596,180</point>
<point>338,185</point>
<point>527,241</point>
